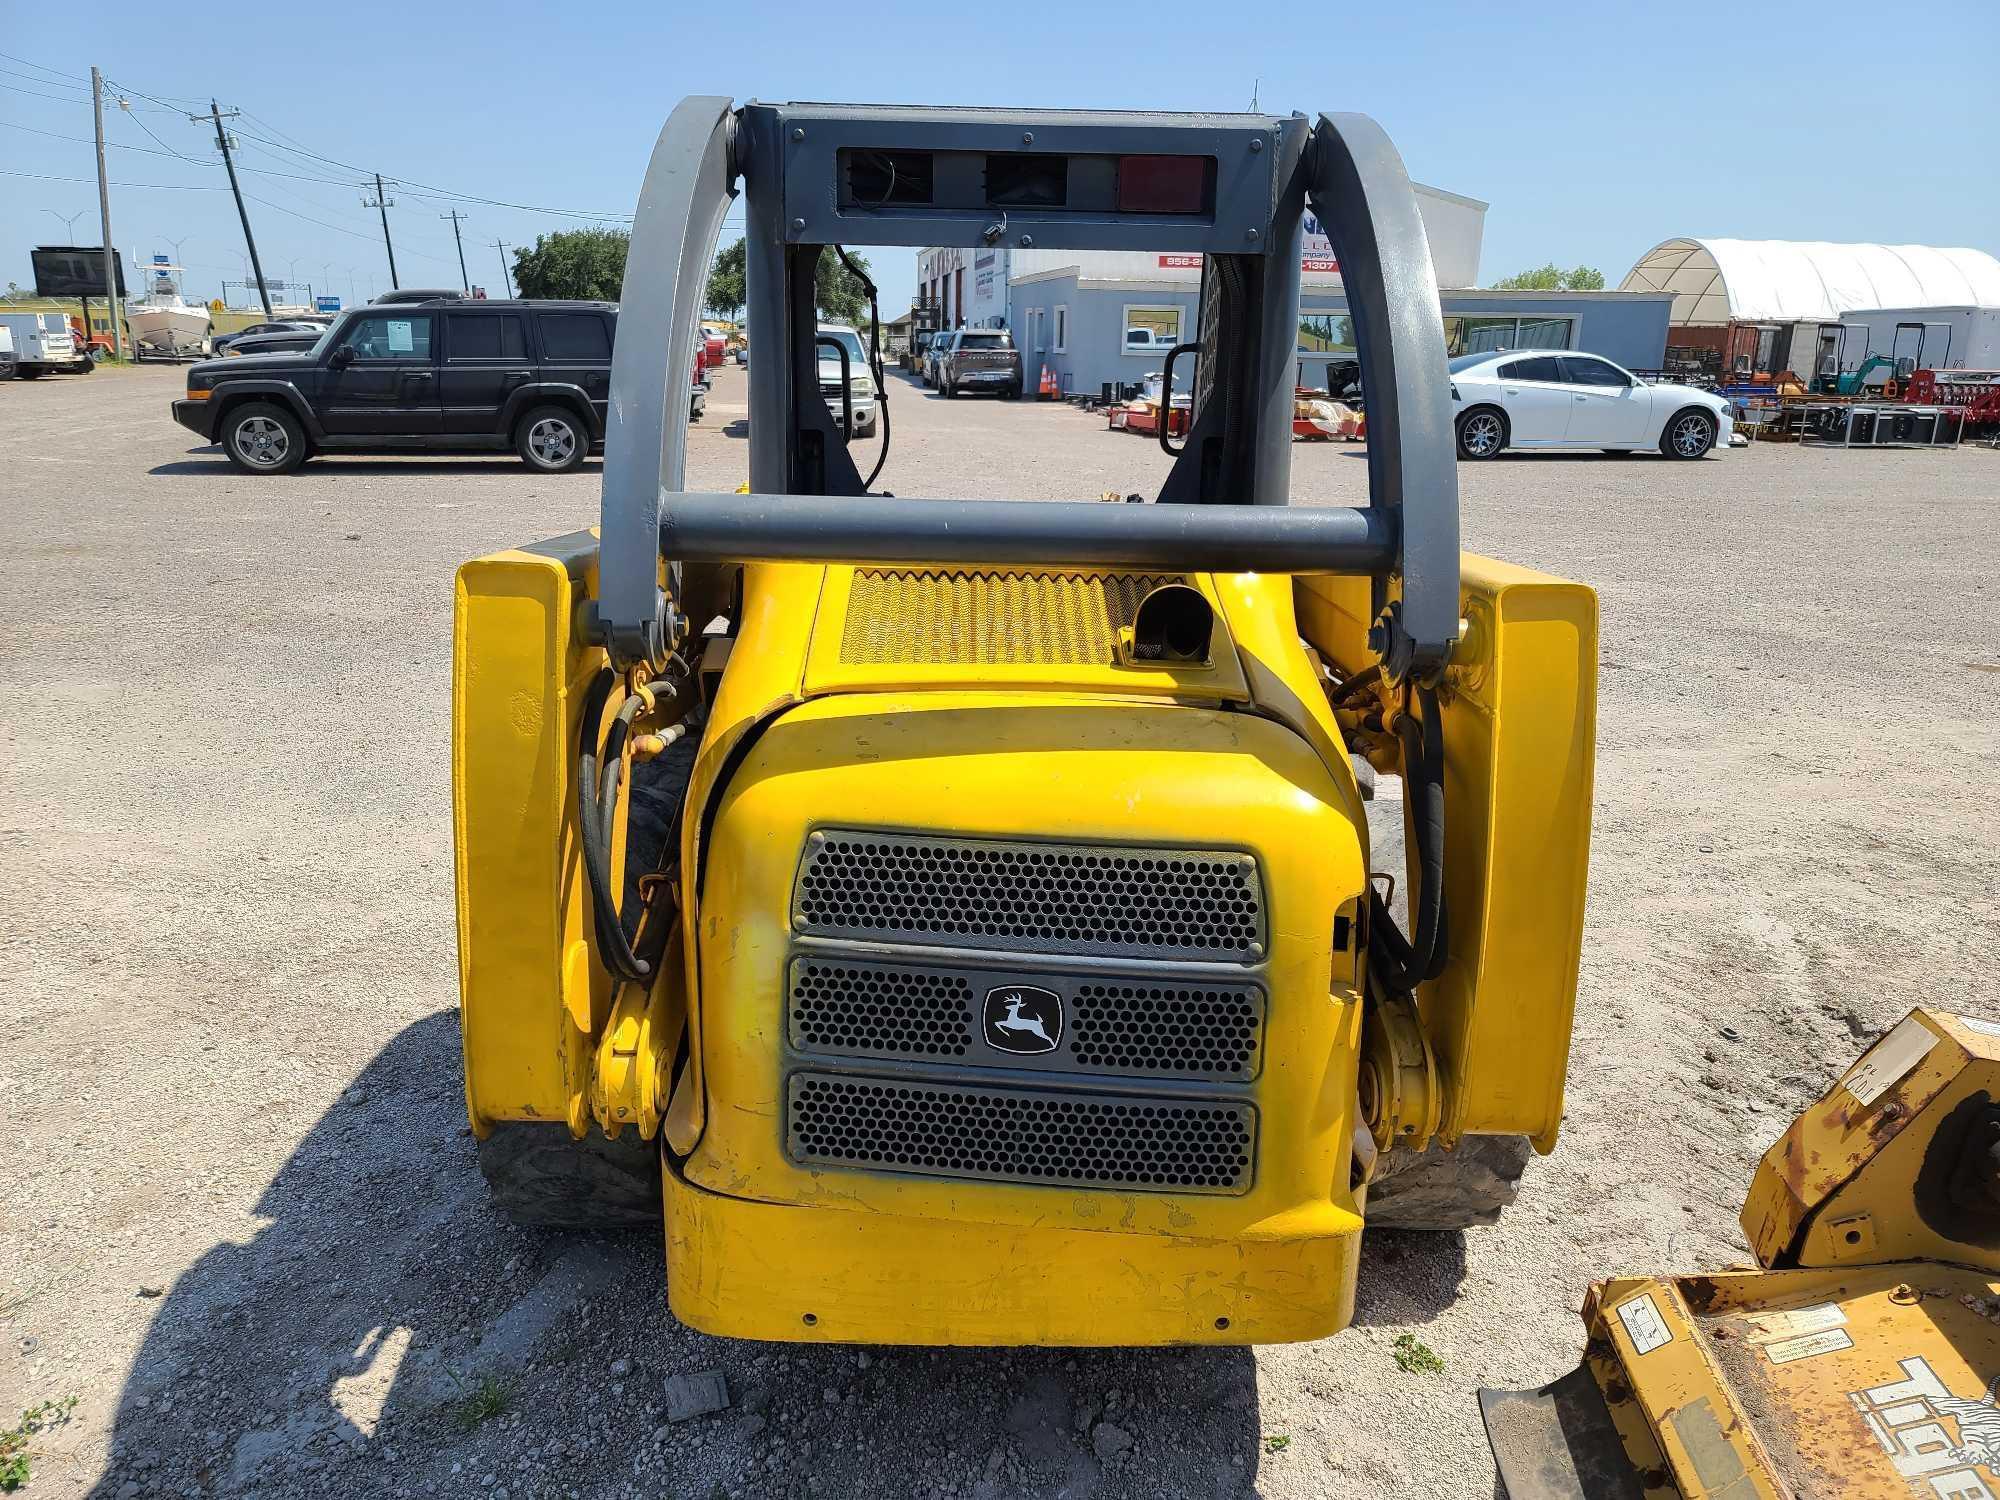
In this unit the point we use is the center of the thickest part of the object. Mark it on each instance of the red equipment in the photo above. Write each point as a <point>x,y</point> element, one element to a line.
<point>1975,394</point>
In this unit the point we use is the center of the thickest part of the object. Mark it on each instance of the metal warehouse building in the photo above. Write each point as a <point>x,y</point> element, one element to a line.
<point>1750,308</point>
<point>1097,318</point>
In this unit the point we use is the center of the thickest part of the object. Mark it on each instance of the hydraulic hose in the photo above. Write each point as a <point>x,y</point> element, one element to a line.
<point>874,362</point>
<point>612,944</point>
<point>1401,963</point>
<point>1341,691</point>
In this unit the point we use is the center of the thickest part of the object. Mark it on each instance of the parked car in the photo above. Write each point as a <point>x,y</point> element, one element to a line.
<point>934,354</point>
<point>1148,339</point>
<point>1523,398</point>
<point>288,342</point>
<point>716,346</point>
<point>980,359</point>
<point>862,383</point>
<point>289,325</point>
<point>460,377</point>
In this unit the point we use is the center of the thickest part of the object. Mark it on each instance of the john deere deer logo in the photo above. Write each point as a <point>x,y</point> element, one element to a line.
<point>1023,1019</point>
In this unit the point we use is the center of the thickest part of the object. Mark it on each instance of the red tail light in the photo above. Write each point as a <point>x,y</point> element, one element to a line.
<point>1164,184</point>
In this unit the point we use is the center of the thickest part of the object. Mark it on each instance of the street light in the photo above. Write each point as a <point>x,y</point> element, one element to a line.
<point>69,220</point>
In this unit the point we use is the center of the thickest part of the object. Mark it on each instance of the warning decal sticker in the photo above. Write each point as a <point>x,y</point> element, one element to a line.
<point>1643,1323</point>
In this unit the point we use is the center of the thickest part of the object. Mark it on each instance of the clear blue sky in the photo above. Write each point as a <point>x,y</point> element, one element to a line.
<point>1593,130</point>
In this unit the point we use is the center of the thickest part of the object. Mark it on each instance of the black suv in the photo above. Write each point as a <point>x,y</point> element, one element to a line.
<point>467,376</point>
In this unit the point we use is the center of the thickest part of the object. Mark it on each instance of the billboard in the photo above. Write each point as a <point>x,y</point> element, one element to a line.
<point>73,270</point>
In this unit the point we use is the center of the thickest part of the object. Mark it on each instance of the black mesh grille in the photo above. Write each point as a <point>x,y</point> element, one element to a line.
<point>1165,1029</point>
<point>882,1008</point>
<point>1064,898</point>
<point>1016,1135</point>
<point>1159,1028</point>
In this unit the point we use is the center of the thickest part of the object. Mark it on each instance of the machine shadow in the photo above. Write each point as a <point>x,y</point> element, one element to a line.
<point>1407,1276</point>
<point>354,1343</point>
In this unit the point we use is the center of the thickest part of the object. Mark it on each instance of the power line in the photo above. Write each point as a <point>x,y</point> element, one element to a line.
<point>79,140</point>
<point>15,88</point>
<point>44,68</point>
<point>172,187</point>
<point>47,83</point>
<point>447,193</point>
<point>190,160</point>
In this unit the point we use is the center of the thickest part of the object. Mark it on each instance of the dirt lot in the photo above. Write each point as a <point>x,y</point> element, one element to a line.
<point>240,1219</point>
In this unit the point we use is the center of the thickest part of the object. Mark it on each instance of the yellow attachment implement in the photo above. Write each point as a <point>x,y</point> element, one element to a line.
<point>1865,1363</point>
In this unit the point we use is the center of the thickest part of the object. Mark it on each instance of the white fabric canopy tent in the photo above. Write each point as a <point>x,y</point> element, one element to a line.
<point>1715,282</point>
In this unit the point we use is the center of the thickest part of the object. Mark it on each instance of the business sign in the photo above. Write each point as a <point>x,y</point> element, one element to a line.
<point>1316,254</point>
<point>73,270</point>
<point>327,304</point>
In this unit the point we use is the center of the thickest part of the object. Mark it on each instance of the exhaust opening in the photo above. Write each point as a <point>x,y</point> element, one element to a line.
<point>1172,626</point>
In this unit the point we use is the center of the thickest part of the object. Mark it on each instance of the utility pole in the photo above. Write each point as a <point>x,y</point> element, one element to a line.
<point>104,217</point>
<point>505,274</point>
<point>385,203</point>
<point>215,117</point>
<point>464,280</point>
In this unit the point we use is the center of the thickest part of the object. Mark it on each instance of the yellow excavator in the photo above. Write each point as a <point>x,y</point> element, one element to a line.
<point>957,920</point>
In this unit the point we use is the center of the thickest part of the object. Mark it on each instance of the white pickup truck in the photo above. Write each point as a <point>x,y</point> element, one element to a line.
<point>44,344</point>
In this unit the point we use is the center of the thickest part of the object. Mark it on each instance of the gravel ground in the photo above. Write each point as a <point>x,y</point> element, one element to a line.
<point>240,1218</point>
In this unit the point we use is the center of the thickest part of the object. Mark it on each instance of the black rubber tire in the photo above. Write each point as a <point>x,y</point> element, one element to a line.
<point>540,1174</point>
<point>1437,1189</point>
<point>28,374</point>
<point>1013,393</point>
<point>1476,454</point>
<point>951,390</point>
<point>524,437</point>
<point>1671,448</point>
<point>85,366</point>
<point>264,411</point>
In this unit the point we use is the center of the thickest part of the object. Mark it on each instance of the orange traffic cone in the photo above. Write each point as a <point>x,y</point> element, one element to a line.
<point>1048,388</point>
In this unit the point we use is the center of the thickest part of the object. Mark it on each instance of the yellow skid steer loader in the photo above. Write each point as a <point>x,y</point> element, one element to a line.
<point>956,920</point>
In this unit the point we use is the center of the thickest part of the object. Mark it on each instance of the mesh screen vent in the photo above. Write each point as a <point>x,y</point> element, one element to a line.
<point>880,1008</point>
<point>1016,1135</point>
<point>1064,898</point>
<point>936,617</point>
<point>1147,1027</point>
<point>1164,1030</point>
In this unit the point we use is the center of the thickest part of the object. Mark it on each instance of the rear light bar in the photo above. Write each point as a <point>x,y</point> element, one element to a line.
<point>1031,181</point>
<point>1165,184</point>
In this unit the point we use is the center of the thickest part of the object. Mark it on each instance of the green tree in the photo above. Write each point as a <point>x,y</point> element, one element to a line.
<point>839,292</point>
<point>586,264</point>
<point>726,287</point>
<point>1553,278</point>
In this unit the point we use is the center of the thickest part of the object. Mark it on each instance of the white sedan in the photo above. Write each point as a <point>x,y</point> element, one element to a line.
<point>1522,398</point>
